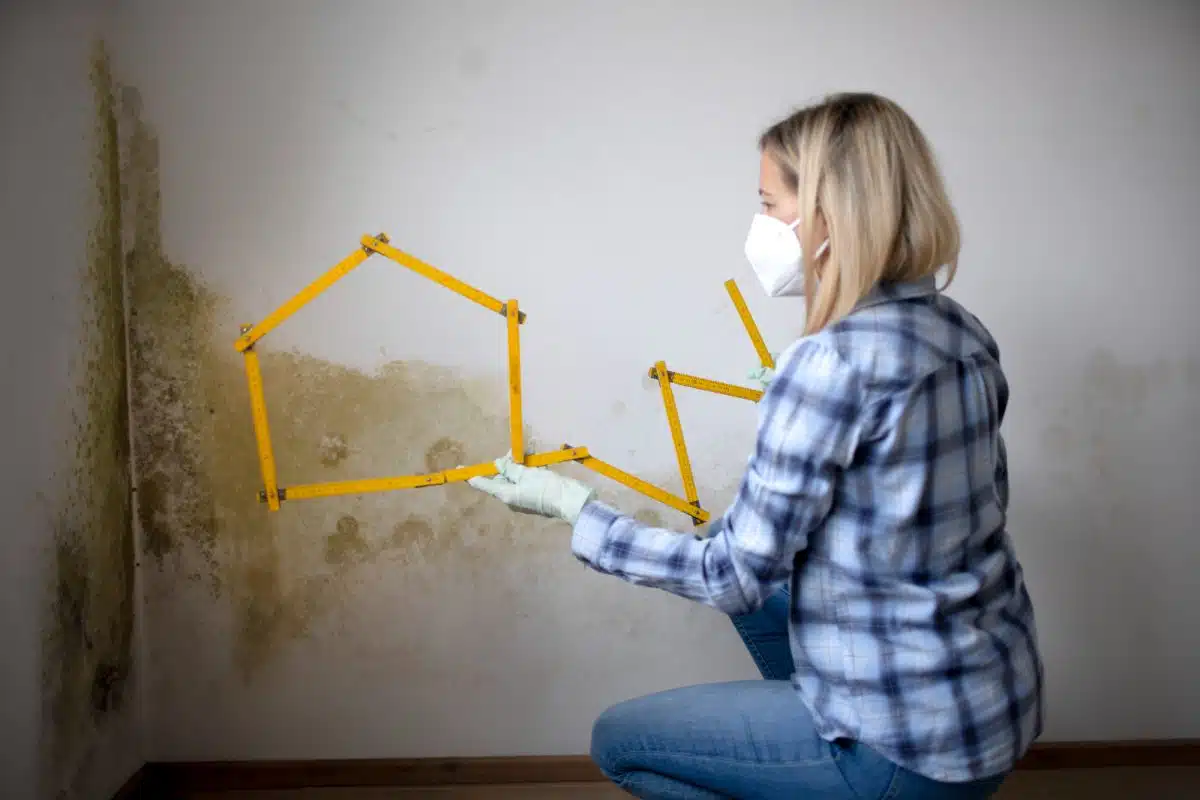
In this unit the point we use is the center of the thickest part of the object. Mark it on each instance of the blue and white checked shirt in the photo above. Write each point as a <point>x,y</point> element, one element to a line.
<point>879,487</point>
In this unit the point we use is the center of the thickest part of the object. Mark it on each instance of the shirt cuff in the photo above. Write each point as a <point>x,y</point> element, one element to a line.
<point>590,534</point>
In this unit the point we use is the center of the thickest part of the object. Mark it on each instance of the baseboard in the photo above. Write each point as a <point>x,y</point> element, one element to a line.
<point>135,788</point>
<point>162,781</point>
<point>1097,755</point>
<point>219,776</point>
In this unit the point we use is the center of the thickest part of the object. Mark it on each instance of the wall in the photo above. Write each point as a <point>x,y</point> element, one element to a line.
<point>70,693</point>
<point>598,162</point>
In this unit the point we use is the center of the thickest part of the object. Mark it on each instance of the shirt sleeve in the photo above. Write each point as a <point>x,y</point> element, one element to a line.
<point>807,434</point>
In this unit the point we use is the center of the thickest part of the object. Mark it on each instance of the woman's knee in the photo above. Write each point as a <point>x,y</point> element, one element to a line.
<point>613,733</point>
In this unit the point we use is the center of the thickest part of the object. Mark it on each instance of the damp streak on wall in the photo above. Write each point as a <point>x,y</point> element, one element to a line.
<point>88,650</point>
<point>195,454</point>
<point>281,576</point>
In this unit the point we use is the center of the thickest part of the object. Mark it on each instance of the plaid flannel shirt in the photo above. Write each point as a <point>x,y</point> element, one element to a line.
<point>879,487</point>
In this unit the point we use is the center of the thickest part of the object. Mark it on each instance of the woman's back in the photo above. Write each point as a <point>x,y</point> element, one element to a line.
<point>913,629</point>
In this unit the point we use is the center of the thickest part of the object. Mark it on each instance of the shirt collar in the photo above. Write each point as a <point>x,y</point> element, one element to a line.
<point>892,291</point>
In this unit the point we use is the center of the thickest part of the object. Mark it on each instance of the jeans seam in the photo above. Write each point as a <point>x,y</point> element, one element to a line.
<point>836,751</point>
<point>808,762</point>
<point>623,782</point>
<point>893,787</point>
<point>757,655</point>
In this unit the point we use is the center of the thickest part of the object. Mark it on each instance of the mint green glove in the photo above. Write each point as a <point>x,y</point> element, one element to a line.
<point>763,375</point>
<point>535,490</point>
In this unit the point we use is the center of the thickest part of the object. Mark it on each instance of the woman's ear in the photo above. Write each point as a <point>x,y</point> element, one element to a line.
<point>820,231</point>
<point>817,246</point>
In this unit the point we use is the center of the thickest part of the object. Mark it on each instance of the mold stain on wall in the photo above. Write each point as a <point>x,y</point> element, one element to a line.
<point>195,459</point>
<point>282,575</point>
<point>88,656</point>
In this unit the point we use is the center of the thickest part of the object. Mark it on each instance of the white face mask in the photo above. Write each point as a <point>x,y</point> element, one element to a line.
<point>774,251</point>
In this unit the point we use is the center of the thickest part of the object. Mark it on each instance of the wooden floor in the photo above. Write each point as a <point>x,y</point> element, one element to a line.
<point>1160,783</point>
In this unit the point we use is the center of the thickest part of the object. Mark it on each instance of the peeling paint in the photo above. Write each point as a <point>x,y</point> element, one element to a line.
<point>88,656</point>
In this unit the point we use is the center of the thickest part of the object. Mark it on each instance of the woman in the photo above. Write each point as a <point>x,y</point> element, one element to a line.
<point>865,560</point>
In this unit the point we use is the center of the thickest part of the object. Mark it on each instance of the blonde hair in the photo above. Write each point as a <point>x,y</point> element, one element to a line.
<point>860,162</point>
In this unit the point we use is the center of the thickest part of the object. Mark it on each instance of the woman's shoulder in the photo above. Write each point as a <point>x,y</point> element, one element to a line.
<point>898,342</point>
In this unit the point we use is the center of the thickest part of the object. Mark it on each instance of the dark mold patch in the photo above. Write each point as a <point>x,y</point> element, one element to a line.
<point>88,657</point>
<point>197,465</point>
<point>445,453</point>
<point>172,326</point>
<point>282,574</point>
<point>412,532</point>
<point>334,449</point>
<point>108,681</point>
<point>347,545</point>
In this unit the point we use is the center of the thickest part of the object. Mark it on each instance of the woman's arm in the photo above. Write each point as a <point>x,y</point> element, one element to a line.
<point>809,424</point>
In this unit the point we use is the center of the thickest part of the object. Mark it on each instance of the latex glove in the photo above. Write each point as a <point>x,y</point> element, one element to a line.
<point>763,375</point>
<point>535,490</point>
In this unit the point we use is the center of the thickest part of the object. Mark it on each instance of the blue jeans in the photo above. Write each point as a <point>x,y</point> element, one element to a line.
<point>749,739</point>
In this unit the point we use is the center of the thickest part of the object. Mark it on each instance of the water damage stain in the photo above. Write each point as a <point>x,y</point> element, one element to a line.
<point>285,574</point>
<point>196,461</point>
<point>347,545</point>
<point>445,453</point>
<point>414,531</point>
<point>168,359</point>
<point>334,449</point>
<point>88,656</point>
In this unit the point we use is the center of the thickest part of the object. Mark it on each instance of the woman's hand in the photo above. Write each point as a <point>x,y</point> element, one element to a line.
<point>535,490</point>
<point>763,375</point>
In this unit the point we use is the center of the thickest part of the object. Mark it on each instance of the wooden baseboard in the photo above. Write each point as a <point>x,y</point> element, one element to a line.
<point>217,776</point>
<point>162,781</point>
<point>135,788</point>
<point>1097,755</point>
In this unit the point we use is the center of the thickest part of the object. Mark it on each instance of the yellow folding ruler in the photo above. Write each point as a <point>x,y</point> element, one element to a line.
<point>273,494</point>
<point>666,378</point>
